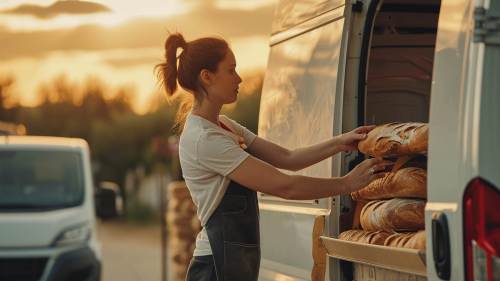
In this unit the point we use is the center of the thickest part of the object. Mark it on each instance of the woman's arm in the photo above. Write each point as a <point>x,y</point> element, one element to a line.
<point>261,176</point>
<point>293,160</point>
<point>301,158</point>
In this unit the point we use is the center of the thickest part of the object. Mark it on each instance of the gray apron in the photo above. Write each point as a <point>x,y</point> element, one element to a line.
<point>234,236</point>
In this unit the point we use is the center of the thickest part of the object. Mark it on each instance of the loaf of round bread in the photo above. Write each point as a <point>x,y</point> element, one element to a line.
<point>361,236</point>
<point>406,183</point>
<point>413,240</point>
<point>394,215</point>
<point>396,139</point>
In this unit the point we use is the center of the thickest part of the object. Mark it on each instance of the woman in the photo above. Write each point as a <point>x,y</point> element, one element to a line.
<point>224,164</point>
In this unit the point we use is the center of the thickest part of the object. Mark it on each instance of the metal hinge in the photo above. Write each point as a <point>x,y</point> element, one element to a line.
<point>486,27</point>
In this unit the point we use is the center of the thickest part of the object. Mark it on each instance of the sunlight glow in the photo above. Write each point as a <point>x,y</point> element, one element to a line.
<point>122,11</point>
<point>138,76</point>
<point>244,5</point>
<point>129,67</point>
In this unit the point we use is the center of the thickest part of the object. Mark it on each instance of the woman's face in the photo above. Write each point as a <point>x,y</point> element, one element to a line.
<point>224,83</point>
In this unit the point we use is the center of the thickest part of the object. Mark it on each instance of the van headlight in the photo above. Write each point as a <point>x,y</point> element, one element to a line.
<point>74,235</point>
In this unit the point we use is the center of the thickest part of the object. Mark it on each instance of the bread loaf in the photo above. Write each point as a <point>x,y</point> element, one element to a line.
<point>413,240</point>
<point>407,182</point>
<point>395,215</point>
<point>357,213</point>
<point>361,236</point>
<point>396,139</point>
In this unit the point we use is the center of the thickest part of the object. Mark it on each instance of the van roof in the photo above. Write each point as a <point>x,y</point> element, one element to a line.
<point>36,141</point>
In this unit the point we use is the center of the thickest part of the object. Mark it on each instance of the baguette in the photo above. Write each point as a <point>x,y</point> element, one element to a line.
<point>361,236</point>
<point>412,240</point>
<point>407,182</point>
<point>395,215</point>
<point>396,139</point>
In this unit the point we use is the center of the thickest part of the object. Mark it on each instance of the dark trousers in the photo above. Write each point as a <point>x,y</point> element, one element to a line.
<point>201,268</point>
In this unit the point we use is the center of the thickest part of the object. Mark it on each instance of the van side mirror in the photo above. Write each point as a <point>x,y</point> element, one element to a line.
<point>108,200</point>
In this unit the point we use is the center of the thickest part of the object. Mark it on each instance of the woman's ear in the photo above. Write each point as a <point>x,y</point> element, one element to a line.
<point>205,77</point>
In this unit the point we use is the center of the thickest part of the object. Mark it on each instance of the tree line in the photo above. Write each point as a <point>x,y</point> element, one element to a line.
<point>120,139</point>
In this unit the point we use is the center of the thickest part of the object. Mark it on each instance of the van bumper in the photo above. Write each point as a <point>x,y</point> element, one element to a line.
<point>75,263</point>
<point>80,264</point>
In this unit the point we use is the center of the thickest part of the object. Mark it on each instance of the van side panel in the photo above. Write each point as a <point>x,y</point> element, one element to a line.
<point>286,244</point>
<point>451,161</point>
<point>298,97</point>
<point>290,13</point>
<point>298,106</point>
<point>448,102</point>
<point>489,128</point>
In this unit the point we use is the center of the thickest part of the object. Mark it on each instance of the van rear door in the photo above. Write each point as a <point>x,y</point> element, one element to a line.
<point>463,182</point>
<point>301,105</point>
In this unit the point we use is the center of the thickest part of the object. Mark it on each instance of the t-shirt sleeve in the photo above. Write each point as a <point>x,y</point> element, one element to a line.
<point>241,130</point>
<point>219,153</point>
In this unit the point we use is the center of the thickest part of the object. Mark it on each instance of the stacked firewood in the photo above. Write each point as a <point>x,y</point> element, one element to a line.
<point>183,226</point>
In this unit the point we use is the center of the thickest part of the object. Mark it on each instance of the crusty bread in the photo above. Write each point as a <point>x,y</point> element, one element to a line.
<point>407,182</point>
<point>357,213</point>
<point>361,236</point>
<point>413,240</point>
<point>395,215</point>
<point>396,139</point>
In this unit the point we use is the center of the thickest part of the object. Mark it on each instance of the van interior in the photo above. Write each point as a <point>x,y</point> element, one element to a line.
<point>399,63</point>
<point>395,72</point>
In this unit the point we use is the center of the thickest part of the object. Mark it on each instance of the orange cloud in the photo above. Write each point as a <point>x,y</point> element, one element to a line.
<point>140,33</point>
<point>58,8</point>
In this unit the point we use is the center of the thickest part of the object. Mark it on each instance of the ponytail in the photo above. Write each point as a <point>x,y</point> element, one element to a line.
<point>167,72</point>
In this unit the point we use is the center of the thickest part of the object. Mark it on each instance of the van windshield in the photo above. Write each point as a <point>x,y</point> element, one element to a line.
<point>32,180</point>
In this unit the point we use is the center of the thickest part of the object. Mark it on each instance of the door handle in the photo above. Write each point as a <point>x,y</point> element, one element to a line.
<point>441,245</point>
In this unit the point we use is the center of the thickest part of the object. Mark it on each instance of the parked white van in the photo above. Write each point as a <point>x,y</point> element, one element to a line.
<point>47,212</point>
<point>338,64</point>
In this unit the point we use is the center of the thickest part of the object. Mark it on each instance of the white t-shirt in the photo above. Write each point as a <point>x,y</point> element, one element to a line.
<point>207,155</point>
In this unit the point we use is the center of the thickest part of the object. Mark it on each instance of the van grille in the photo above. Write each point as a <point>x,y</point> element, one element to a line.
<point>22,269</point>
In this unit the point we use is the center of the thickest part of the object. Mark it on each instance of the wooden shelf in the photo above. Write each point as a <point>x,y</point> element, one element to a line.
<point>398,259</point>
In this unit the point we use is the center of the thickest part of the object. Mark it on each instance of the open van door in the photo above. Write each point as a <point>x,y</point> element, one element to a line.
<point>464,180</point>
<point>301,105</point>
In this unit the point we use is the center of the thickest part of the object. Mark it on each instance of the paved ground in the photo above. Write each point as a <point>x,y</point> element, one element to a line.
<point>130,252</point>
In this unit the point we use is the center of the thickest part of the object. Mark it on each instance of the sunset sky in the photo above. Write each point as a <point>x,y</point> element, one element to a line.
<point>120,41</point>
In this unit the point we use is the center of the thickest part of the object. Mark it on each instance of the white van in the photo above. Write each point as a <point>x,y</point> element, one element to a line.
<point>335,65</point>
<point>47,212</point>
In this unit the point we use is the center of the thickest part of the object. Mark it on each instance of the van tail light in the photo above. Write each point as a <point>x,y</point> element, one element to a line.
<point>482,231</point>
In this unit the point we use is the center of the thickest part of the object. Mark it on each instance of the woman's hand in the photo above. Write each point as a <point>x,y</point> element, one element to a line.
<point>349,141</point>
<point>364,173</point>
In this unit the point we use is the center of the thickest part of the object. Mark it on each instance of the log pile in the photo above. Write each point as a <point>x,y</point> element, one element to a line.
<point>183,226</point>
